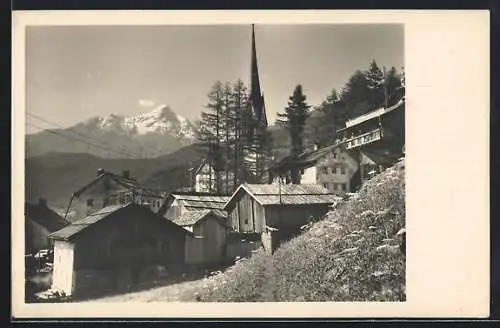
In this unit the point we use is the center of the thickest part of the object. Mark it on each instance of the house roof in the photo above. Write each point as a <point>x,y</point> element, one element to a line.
<point>307,158</point>
<point>191,217</point>
<point>371,115</point>
<point>195,201</point>
<point>287,194</point>
<point>127,183</point>
<point>75,228</point>
<point>44,216</point>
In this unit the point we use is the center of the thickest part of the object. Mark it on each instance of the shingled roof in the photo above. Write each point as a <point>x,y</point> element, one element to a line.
<point>287,194</point>
<point>191,217</point>
<point>195,201</point>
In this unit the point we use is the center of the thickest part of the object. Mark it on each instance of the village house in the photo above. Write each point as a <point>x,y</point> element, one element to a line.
<point>208,244</point>
<point>277,210</point>
<point>376,139</point>
<point>331,167</point>
<point>111,189</point>
<point>110,248</point>
<point>39,222</point>
<point>206,177</point>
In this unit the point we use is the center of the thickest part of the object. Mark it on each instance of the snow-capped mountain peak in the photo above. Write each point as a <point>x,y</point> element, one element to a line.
<point>160,120</point>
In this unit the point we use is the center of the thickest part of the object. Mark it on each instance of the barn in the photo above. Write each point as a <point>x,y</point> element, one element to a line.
<point>277,210</point>
<point>40,221</point>
<point>208,245</point>
<point>110,248</point>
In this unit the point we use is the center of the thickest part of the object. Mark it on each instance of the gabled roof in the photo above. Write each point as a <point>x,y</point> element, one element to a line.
<point>192,217</point>
<point>44,216</point>
<point>286,194</point>
<point>372,115</point>
<point>126,183</point>
<point>77,227</point>
<point>195,201</point>
<point>307,158</point>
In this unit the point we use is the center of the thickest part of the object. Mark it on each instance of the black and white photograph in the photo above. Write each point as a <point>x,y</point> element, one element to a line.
<point>235,162</point>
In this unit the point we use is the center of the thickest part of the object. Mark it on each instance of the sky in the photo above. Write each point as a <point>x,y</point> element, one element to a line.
<point>74,73</point>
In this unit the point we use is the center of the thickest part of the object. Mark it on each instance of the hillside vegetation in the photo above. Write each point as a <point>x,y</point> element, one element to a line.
<point>355,254</point>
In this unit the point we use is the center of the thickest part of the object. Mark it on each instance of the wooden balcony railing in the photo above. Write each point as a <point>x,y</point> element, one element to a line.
<point>363,139</point>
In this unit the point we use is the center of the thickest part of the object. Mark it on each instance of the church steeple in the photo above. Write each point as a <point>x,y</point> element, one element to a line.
<point>256,97</point>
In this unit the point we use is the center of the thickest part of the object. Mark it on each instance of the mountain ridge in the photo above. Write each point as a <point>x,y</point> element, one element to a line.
<point>157,132</point>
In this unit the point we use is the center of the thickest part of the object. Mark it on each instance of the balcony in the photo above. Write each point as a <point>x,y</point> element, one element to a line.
<point>364,139</point>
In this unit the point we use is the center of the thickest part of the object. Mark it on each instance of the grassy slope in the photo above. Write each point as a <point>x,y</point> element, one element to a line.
<point>354,254</point>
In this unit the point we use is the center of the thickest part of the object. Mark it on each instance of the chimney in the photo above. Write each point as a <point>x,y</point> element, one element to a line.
<point>100,171</point>
<point>42,202</point>
<point>126,174</point>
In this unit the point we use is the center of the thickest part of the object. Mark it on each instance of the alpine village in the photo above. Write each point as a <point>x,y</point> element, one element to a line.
<point>308,209</point>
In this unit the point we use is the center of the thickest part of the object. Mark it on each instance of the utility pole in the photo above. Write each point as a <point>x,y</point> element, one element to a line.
<point>385,87</point>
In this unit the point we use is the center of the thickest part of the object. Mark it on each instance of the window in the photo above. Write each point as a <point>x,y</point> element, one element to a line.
<point>324,170</point>
<point>334,186</point>
<point>90,202</point>
<point>344,186</point>
<point>342,170</point>
<point>325,185</point>
<point>246,221</point>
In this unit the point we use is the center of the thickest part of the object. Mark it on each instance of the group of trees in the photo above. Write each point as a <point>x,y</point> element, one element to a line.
<point>227,124</point>
<point>363,92</point>
<point>227,127</point>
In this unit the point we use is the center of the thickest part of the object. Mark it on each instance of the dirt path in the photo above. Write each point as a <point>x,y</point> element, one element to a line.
<point>179,292</point>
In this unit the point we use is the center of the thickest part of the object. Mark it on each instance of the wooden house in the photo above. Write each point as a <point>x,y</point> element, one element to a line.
<point>179,203</point>
<point>208,243</point>
<point>111,189</point>
<point>112,245</point>
<point>275,207</point>
<point>331,167</point>
<point>39,222</point>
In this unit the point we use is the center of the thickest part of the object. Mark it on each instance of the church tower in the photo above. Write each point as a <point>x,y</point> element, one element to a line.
<point>257,154</point>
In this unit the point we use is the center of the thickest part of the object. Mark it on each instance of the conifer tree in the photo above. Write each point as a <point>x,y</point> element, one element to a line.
<point>294,120</point>
<point>375,86</point>
<point>211,131</point>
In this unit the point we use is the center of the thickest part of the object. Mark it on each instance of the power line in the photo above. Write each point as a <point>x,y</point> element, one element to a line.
<point>81,134</point>
<point>79,140</point>
<point>119,148</point>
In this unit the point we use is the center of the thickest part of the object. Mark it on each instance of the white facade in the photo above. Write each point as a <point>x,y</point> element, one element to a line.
<point>334,171</point>
<point>63,274</point>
